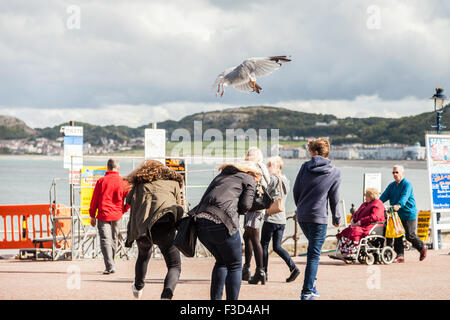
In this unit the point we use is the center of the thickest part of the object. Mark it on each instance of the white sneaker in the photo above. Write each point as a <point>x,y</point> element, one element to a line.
<point>137,293</point>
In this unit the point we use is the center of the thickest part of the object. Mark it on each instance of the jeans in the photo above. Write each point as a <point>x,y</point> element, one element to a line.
<point>227,250</point>
<point>275,232</point>
<point>411,235</point>
<point>315,233</point>
<point>109,233</point>
<point>163,235</point>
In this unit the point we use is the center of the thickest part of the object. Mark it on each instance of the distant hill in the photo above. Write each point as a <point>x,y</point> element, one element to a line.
<point>372,130</point>
<point>13,128</point>
<point>94,133</point>
<point>289,122</point>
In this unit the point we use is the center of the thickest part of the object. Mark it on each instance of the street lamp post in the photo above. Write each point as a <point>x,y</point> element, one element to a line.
<point>439,99</point>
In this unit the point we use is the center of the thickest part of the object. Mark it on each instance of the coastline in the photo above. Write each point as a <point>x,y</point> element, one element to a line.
<point>412,164</point>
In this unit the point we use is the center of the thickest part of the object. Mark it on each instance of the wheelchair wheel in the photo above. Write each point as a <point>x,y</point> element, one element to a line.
<point>362,259</point>
<point>387,255</point>
<point>370,259</point>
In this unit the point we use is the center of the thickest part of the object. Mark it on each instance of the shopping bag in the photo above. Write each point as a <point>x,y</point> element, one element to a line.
<point>399,229</point>
<point>278,204</point>
<point>394,227</point>
<point>186,238</point>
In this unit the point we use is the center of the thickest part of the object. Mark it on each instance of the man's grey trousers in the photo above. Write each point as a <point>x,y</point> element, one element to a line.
<point>109,233</point>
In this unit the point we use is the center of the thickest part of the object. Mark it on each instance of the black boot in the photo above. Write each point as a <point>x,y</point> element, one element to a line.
<point>246,273</point>
<point>294,274</point>
<point>260,275</point>
<point>167,294</point>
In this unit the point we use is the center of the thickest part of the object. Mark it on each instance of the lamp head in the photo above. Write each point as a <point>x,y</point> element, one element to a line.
<point>439,99</point>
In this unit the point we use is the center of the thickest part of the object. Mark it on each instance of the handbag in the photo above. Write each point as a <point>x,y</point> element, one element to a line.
<point>394,227</point>
<point>262,200</point>
<point>278,204</point>
<point>186,238</point>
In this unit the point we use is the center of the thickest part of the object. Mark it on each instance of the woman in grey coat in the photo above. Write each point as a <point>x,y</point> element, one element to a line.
<point>274,224</point>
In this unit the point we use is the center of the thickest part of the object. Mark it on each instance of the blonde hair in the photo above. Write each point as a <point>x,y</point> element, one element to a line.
<point>276,162</point>
<point>321,145</point>
<point>254,154</point>
<point>248,167</point>
<point>372,193</point>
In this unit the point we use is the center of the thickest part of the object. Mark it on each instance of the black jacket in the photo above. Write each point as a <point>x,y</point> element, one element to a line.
<point>230,193</point>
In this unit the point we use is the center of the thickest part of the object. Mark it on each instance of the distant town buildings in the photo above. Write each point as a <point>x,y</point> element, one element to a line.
<point>292,152</point>
<point>324,124</point>
<point>43,146</point>
<point>361,151</point>
<point>38,146</point>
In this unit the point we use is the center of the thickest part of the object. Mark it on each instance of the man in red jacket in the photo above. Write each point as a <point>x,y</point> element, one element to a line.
<point>108,199</point>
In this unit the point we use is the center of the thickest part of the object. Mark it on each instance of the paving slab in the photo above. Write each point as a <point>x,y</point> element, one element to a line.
<point>83,280</point>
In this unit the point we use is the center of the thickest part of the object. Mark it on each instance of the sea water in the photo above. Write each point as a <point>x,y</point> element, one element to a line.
<point>28,180</point>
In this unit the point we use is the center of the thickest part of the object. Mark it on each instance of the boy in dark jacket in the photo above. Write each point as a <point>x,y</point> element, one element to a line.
<point>317,183</point>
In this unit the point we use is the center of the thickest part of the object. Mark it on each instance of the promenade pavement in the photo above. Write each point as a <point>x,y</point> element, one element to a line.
<point>83,279</point>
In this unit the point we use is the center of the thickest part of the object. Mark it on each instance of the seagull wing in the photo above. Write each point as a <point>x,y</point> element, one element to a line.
<point>264,66</point>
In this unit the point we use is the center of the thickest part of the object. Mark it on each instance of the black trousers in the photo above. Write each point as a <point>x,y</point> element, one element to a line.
<point>411,235</point>
<point>163,235</point>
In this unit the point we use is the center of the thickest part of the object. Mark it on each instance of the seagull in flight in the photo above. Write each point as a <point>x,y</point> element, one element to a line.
<point>243,76</point>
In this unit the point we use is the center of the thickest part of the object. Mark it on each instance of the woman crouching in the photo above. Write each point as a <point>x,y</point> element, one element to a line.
<point>217,218</point>
<point>155,203</point>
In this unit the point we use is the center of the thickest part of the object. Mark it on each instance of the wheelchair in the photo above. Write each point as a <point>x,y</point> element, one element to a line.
<point>373,248</point>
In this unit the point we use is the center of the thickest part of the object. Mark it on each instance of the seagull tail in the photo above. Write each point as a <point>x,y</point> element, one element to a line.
<point>280,58</point>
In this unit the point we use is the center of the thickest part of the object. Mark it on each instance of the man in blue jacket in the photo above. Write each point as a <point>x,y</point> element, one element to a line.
<point>401,196</point>
<point>317,183</point>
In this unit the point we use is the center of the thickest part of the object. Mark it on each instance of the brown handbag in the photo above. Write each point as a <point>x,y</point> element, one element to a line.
<point>278,204</point>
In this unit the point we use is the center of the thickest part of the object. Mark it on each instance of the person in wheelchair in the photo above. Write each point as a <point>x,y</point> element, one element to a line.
<point>362,221</point>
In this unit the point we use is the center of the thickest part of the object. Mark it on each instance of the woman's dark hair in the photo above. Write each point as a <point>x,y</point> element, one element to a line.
<point>152,170</point>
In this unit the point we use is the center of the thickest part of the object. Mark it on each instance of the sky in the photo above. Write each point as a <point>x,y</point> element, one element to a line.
<point>135,62</point>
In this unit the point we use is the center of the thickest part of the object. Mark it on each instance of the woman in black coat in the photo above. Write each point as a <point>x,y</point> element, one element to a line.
<point>217,215</point>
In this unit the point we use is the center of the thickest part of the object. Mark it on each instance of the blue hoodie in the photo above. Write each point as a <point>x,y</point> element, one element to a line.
<point>317,182</point>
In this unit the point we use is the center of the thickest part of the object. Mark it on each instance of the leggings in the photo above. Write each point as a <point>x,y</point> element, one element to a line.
<point>163,235</point>
<point>252,243</point>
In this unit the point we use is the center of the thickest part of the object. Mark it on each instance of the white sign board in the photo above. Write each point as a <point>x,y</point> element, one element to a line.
<point>155,144</point>
<point>372,180</point>
<point>73,147</point>
<point>438,159</point>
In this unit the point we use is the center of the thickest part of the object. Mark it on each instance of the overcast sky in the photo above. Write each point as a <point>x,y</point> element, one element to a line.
<point>134,62</point>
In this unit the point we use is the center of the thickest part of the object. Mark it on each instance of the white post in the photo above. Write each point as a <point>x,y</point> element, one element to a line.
<point>344,213</point>
<point>434,231</point>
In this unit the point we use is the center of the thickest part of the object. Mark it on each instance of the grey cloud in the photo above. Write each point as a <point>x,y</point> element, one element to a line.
<point>156,52</point>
